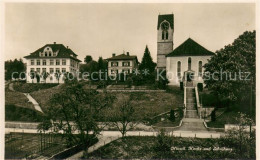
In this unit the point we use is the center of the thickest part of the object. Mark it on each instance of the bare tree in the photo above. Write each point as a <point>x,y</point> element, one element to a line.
<point>123,117</point>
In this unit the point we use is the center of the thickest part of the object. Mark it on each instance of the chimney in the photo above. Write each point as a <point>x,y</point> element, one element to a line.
<point>67,47</point>
<point>113,54</point>
<point>54,42</point>
<point>127,53</point>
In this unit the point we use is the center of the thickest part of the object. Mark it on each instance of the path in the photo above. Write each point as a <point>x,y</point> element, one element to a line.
<point>30,98</point>
<point>34,102</point>
<point>192,122</point>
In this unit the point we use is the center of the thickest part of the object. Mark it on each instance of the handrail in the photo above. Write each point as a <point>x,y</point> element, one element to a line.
<point>185,92</point>
<point>198,101</point>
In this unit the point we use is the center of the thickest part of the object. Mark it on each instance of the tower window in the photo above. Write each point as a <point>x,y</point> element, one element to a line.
<point>166,34</point>
<point>189,63</point>
<point>162,34</point>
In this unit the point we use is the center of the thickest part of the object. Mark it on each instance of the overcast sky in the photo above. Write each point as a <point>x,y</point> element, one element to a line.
<point>103,29</point>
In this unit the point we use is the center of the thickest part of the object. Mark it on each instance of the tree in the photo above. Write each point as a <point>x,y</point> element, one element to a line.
<point>58,75</point>
<point>123,117</point>
<point>147,62</point>
<point>14,68</point>
<point>32,75</point>
<point>75,110</point>
<point>163,145</point>
<point>240,139</point>
<point>45,75</point>
<point>172,116</point>
<point>88,59</point>
<point>236,60</point>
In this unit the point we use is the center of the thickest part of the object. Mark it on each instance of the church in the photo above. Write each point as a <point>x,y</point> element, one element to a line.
<point>185,62</point>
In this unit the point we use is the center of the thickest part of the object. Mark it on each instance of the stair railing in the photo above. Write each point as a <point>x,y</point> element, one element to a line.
<point>198,102</point>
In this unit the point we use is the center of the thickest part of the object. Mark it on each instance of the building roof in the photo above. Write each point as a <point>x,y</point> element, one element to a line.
<point>167,17</point>
<point>123,57</point>
<point>190,48</point>
<point>63,52</point>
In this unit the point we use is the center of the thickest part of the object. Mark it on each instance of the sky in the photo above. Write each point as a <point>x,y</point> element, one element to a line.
<point>103,29</point>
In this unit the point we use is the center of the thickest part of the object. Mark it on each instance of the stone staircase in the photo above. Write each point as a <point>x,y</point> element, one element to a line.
<point>191,103</point>
<point>191,122</point>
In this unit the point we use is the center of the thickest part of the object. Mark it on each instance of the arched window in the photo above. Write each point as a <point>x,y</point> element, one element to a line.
<point>179,69</point>
<point>166,34</point>
<point>200,68</point>
<point>162,34</point>
<point>189,63</point>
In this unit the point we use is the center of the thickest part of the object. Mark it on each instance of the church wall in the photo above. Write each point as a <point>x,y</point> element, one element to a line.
<point>171,67</point>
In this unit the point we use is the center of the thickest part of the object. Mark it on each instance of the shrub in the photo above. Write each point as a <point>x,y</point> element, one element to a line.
<point>213,116</point>
<point>163,145</point>
<point>200,86</point>
<point>172,116</point>
<point>181,85</point>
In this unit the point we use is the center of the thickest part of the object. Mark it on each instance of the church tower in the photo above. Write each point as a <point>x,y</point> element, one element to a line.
<point>165,29</point>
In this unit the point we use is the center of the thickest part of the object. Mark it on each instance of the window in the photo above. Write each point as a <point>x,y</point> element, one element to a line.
<point>57,70</point>
<point>44,62</point>
<point>114,71</point>
<point>51,62</point>
<point>54,54</point>
<point>44,70</point>
<point>126,71</point>
<point>64,62</point>
<point>51,70</point>
<point>50,53</point>
<point>46,54</point>
<point>32,62</point>
<point>38,70</point>
<point>189,63</point>
<point>32,69</point>
<point>162,34</point>
<point>179,69</point>
<point>126,63</point>
<point>166,34</point>
<point>200,68</point>
<point>63,70</point>
<point>57,62</point>
<point>114,64</point>
<point>38,62</point>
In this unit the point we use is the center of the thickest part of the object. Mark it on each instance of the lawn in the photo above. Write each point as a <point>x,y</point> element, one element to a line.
<point>228,117</point>
<point>43,96</point>
<point>31,87</point>
<point>147,104</point>
<point>14,113</point>
<point>18,99</point>
<point>144,148</point>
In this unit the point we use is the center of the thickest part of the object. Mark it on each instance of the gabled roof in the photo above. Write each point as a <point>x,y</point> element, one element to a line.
<point>167,17</point>
<point>123,57</point>
<point>63,52</point>
<point>190,48</point>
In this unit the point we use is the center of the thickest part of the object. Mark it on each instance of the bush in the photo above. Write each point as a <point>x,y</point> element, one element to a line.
<point>172,116</point>
<point>31,87</point>
<point>181,86</point>
<point>200,86</point>
<point>213,116</point>
<point>163,145</point>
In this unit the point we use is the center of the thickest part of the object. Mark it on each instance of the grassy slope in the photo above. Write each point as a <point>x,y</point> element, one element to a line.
<point>31,87</point>
<point>146,104</point>
<point>43,96</point>
<point>18,99</point>
<point>14,113</point>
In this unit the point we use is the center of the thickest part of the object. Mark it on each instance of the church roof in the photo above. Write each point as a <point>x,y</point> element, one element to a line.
<point>63,52</point>
<point>190,48</point>
<point>167,17</point>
